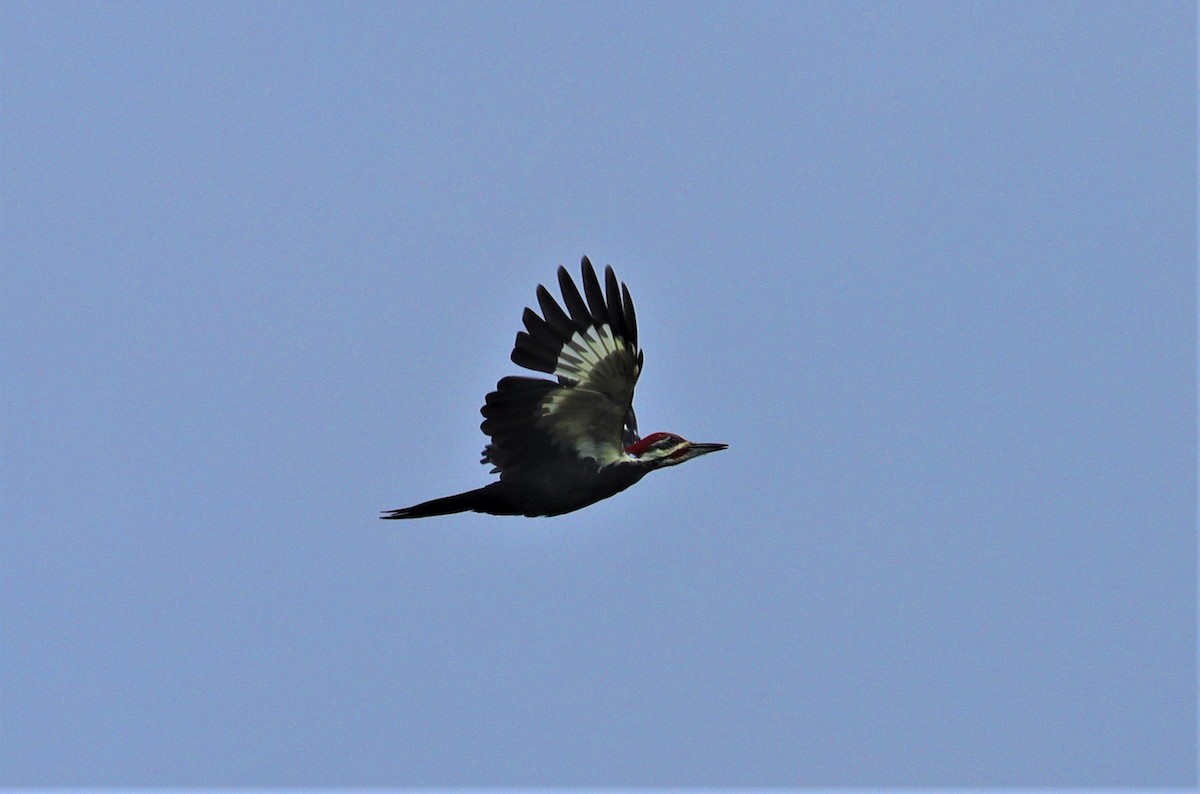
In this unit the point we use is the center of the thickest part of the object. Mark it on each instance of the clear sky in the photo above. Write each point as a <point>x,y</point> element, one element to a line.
<point>928,268</point>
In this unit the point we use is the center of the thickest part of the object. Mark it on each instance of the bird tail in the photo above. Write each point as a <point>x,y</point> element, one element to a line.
<point>481,500</point>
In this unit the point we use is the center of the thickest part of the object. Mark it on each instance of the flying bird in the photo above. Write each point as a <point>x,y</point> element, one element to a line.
<point>562,444</point>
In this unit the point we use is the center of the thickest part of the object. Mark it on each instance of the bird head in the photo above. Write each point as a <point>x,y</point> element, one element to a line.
<point>667,449</point>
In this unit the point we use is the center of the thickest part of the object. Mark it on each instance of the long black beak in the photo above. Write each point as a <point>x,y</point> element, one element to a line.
<point>696,450</point>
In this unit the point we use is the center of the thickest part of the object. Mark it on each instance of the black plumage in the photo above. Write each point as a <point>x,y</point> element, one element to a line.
<point>565,443</point>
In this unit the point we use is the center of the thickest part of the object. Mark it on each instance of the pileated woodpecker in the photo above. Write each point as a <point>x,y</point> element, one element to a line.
<point>563,444</point>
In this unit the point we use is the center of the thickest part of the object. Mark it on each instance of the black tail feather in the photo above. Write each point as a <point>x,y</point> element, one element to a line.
<point>487,499</point>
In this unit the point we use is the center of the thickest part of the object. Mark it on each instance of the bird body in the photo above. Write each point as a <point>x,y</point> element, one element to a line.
<point>566,443</point>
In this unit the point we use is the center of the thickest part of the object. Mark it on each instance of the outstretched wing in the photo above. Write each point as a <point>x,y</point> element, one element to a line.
<point>591,350</point>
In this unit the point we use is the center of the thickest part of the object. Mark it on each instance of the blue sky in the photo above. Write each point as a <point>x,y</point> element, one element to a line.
<point>928,268</point>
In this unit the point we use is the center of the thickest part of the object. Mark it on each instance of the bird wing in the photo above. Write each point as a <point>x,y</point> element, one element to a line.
<point>591,349</point>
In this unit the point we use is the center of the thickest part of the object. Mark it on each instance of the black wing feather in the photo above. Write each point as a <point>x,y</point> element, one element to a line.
<point>578,310</point>
<point>613,291</point>
<point>595,297</point>
<point>555,316</point>
<point>630,314</point>
<point>531,352</point>
<point>510,418</point>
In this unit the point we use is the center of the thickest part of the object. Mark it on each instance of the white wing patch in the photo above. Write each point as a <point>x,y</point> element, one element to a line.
<point>579,357</point>
<point>576,420</point>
